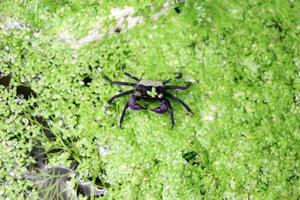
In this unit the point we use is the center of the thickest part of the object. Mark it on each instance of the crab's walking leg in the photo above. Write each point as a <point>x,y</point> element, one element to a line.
<point>171,113</point>
<point>123,114</point>
<point>131,76</point>
<point>120,95</point>
<point>178,76</point>
<point>131,103</point>
<point>165,106</point>
<point>177,87</point>
<point>119,82</point>
<point>179,101</point>
<point>167,81</point>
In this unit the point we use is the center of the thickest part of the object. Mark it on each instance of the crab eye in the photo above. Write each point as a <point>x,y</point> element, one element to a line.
<point>137,93</point>
<point>160,95</point>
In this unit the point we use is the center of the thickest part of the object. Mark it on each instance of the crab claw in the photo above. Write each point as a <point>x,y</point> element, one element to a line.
<point>137,107</point>
<point>162,108</point>
<point>134,105</point>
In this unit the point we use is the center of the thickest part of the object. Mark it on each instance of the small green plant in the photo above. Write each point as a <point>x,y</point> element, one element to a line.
<point>152,93</point>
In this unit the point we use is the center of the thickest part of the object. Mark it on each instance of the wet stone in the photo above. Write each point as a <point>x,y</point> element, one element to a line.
<point>46,128</point>
<point>25,92</point>
<point>5,79</point>
<point>177,10</point>
<point>87,80</point>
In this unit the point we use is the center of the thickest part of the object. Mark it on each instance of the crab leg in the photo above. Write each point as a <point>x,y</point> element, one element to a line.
<point>120,95</point>
<point>123,114</point>
<point>119,82</point>
<point>131,76</point>
<point>177,87</point>
<point>178,76</point>
<point>171,114</point>
<point>131,103</point>
<point>179,101</point>
<point>166,81</point>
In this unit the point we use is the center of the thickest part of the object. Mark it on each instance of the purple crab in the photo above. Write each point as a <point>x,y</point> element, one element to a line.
<point>149,91</point>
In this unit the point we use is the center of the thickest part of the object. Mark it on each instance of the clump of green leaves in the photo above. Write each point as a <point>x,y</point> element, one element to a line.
<point>242,57</point>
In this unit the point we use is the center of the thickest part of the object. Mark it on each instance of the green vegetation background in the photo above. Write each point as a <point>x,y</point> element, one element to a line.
<point>243,57</point>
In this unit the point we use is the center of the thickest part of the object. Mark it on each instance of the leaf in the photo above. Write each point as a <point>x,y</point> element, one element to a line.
<point>87,189</point>
<point>39,155</point>
<point>46,128</point>
<point>152,93</point>
<point>52,183</point>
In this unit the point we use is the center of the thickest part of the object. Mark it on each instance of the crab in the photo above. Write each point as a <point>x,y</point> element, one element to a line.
<point>149,91</point>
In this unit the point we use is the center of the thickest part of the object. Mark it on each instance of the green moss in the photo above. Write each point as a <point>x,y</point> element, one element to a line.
<point>243,58</point>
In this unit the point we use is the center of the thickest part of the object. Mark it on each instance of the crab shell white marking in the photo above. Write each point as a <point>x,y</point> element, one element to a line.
<point>160,95</point>
<point>151,83</point>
